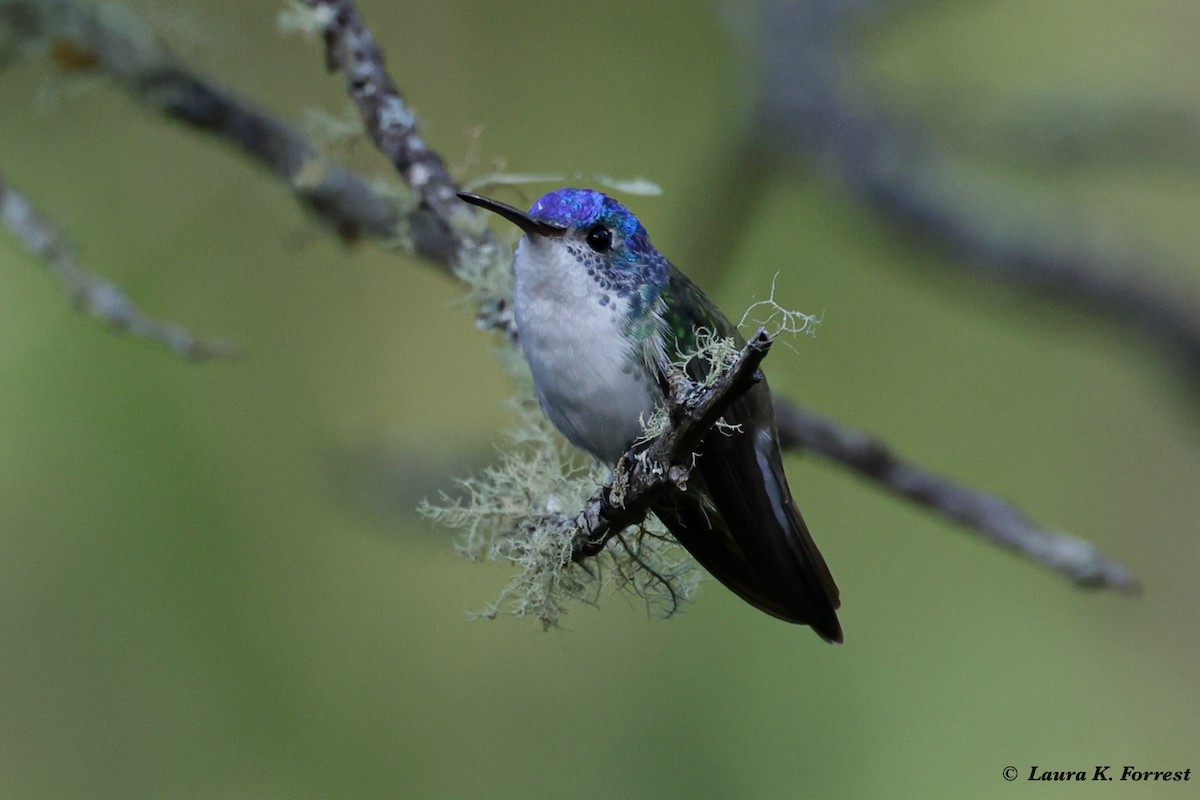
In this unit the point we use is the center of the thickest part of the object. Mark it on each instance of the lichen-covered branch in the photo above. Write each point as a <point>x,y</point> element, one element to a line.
<point>91,294</point>
<point>351,49</point>
<point>665,461</point>
<point>469,248</point>
<point>521,510</point>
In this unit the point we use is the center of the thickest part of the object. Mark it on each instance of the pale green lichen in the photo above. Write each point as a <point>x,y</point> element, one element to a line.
<point>490,283</point>
<point>779,320</point>
<point>298,17</point>
<point>331,132</point>
<point>718,353</point>
<point>523,511</point>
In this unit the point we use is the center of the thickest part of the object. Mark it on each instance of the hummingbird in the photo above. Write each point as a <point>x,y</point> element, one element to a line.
<point>602,317</point>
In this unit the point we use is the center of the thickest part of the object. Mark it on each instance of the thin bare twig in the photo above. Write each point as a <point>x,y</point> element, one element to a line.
<point>96,296</point>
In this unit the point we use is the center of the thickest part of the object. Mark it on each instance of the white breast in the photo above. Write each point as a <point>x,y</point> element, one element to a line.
<point>591,386</point>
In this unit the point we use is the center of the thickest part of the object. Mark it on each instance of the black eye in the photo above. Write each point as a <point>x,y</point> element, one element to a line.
<point>599,238</point>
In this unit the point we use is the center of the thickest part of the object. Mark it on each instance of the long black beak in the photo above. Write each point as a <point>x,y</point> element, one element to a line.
<point>514,215</point>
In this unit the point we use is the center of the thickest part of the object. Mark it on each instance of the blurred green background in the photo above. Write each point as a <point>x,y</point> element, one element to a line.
<point>212,582</point>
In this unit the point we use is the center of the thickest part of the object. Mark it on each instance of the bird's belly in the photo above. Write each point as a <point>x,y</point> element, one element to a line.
<point>590,384</point>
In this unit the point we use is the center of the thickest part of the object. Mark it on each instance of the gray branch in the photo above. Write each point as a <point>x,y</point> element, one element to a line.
<point>458,237</point>
<point>350,48</point>
<point>82,38</point>
<point>91,294</point>
<point>989,516</point>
